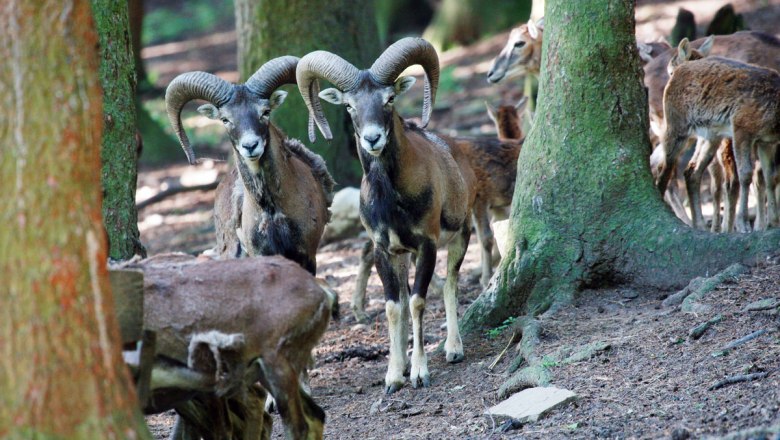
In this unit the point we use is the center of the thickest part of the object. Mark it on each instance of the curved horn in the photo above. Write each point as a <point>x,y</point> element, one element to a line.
<point>189,86</point>
<point>404,53</point>
<point>272,75</point>
<point>323,65</point>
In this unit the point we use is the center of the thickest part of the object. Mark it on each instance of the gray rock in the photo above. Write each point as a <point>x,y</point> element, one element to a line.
<point>345,216</point>
<point>532,403</point>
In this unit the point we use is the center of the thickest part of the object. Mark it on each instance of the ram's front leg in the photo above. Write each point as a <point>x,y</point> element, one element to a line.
<point>426,263</point>
<point>394,273</point>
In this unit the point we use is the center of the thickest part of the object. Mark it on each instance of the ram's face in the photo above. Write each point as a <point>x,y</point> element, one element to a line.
<point>371,107</point>
<point>246,119</point>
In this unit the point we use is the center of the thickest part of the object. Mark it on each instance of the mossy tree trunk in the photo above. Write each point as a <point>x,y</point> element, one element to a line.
<point>270,28</point>
<point>120,147</point>
<point>461,22</point>
<point>62,374</point>
<point>585,210</point>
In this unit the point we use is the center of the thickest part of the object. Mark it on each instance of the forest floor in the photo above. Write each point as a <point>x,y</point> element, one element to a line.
<point>653,381</point>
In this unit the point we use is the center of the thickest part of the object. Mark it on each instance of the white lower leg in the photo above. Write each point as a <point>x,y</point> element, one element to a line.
<point>394,379</point>
<point>453,346</point>
<point>419,374</point>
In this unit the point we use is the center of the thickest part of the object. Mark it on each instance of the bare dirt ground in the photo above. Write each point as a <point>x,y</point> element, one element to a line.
<point>653,381</point>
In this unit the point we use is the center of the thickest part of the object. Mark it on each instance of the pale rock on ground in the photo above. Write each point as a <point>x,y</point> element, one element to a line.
<point>345,216</point>
<point>532,403</point>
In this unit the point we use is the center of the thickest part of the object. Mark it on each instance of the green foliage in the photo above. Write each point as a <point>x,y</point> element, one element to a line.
<point>192,16</point>
<point>495,332</point>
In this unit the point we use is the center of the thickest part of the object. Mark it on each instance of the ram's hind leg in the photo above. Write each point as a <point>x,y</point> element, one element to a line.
<point>281,379</point>
<point>455,253</point>
<point>485,236</point>
<point>364,271</point>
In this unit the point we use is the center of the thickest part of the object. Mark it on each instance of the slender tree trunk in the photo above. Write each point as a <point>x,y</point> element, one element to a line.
<point>270,28</point>
<point>585,210</point>
<point>120,148</point>
<point>62,373</point>
<point>461,22</point>
<point>135,9</point>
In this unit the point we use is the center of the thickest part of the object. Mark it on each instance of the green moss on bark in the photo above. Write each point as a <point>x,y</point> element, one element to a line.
<point>120,148</point>
<point>585,211</point>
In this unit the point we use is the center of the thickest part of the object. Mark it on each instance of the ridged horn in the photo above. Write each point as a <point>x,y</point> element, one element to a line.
<point>186,87</point>
<point>272,75</point>
<point>404,53</point>
<point>330,67</point>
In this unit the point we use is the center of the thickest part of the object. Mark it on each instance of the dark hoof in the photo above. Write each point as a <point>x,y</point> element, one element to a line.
<point>393,387</point>
<point>422,381</point>
<point>455,358</point>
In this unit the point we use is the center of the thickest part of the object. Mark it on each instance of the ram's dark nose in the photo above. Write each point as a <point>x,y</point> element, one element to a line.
<point>372,139</point>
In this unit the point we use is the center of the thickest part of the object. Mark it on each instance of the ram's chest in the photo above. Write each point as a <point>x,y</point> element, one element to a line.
<point>396,232</point>
<point>266,234</point>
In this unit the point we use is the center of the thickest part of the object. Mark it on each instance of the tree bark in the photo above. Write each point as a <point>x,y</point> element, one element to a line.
<point>461,22</point>
<point>135,10</point>
<point>585,211</point>
<point>270,28</point>
<point>120,150</point>
<point>62,373</point>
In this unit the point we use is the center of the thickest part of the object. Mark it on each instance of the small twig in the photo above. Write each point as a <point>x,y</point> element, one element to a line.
<point>162,195</point>
<point>500,355</point>
<point>737,379</point>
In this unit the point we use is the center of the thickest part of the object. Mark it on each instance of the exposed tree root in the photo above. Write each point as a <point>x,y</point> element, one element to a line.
<point>731,380</point>
<point>698,331</point>
<point>688,297</point>
<point>538,372</point>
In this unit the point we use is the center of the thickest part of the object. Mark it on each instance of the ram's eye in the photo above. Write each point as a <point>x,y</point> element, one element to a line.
<point>520,43</point>
<point>349,107</point>
<point>391,99</point>
<point>225,121</point>
<point>266,113</point>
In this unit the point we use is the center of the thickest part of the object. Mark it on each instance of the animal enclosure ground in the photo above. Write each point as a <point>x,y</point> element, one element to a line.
<point>652,380</point>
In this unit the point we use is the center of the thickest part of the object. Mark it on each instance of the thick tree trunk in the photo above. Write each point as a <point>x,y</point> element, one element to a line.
<point>120,149</point>
<point>461,22</point>
<point>271,28</point>
<point>585,210</point>
<point>62,373</point>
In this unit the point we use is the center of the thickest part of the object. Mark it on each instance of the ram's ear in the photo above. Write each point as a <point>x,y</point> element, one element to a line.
<point>277,98</point>
<point>333,96</point>
<point>706,47</point>
<point>209,111</point>
<point>684,50</point>
<point>403,84</point>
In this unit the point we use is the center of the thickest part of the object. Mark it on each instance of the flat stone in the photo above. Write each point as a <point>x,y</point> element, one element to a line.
<point>532,403</point>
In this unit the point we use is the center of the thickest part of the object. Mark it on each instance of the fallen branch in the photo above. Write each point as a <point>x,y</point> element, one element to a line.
<point>737,379</point>
<point>162,195</point>
<point>698,331</point>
